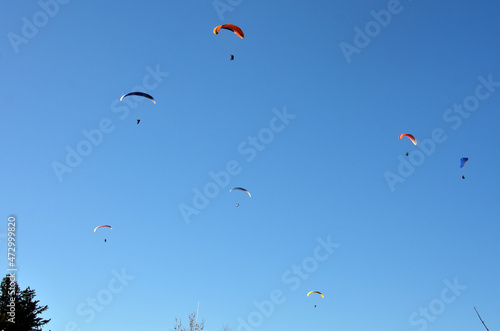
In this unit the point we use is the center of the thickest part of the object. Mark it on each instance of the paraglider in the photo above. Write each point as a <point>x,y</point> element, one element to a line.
<point>103,226</point>
<point>231,27</point>
<point>241,189</point>
<point>140,94</point>
<point>463,161</point>
<point>411,137</point>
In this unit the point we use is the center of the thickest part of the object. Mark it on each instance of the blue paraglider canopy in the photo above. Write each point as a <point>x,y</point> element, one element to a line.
<point>463,161</point>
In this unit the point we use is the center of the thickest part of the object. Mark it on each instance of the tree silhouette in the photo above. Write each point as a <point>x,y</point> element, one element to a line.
<point>193,324</point>
<point>18,309</point>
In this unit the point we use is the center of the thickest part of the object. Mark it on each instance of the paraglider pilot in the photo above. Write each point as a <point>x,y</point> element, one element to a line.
<point>232,57</point>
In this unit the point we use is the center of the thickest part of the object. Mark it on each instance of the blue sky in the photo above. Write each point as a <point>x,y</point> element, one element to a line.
<point>307,118</point>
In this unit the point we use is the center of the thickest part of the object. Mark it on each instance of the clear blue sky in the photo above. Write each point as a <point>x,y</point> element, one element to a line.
<point>307,118</point>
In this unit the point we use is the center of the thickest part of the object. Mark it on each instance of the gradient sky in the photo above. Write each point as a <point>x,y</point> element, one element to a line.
<point>307,118</point>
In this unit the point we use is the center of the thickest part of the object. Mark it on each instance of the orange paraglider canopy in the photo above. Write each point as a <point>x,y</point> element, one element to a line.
<point>411,137</point>
<point>230,27</point>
